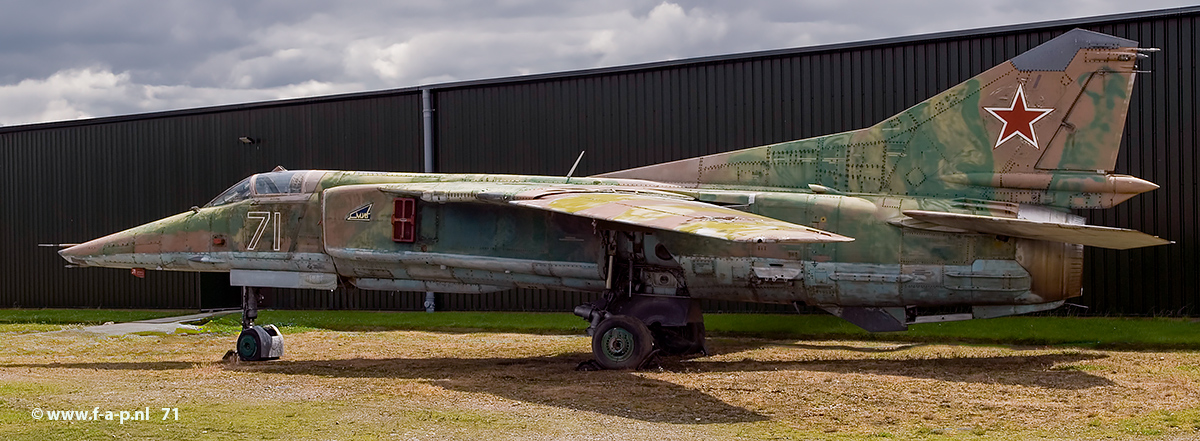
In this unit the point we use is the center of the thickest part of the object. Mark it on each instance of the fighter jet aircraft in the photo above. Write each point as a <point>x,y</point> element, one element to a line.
<point>962,201</point>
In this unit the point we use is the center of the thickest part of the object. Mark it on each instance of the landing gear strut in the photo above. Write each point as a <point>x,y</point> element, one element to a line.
<point>646,309</point>
<point>256,343</point>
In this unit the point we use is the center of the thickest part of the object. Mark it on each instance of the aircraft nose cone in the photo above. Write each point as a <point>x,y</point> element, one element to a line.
<point>105,251</point>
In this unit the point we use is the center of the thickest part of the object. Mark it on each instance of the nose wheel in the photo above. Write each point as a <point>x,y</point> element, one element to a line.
<point>256,343</point>
<point>260,343</point>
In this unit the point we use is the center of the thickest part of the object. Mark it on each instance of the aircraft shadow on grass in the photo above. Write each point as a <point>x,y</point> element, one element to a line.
<point>553,381</point>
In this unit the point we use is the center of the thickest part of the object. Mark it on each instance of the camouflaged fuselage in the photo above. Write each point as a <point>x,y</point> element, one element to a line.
<point>962,199</point>
<point>466,246</point>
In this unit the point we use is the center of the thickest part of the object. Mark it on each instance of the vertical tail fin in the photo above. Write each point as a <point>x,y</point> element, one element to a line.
<point>1042,128</point>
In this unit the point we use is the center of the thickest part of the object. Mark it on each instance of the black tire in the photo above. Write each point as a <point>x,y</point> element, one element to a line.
<point>621,342</point>
<point>248,344</point>
<point>680,340</point>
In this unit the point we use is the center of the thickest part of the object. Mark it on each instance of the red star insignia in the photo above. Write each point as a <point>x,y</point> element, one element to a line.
<point>1018,119</point>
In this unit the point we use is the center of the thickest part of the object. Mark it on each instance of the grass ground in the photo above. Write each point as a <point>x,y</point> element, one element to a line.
<point>375,376</point>
<point>1092,332</point>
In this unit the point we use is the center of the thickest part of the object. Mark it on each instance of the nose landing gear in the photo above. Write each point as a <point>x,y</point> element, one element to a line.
<point>256,343</point>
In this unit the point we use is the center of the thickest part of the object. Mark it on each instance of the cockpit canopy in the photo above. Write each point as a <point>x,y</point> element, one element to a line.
<point>270,184</point>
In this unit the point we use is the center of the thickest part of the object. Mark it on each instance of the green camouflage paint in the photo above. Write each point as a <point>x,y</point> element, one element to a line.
<point>961,200</point>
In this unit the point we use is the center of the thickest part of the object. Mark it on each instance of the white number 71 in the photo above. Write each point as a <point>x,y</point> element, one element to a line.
<point>264,218</point>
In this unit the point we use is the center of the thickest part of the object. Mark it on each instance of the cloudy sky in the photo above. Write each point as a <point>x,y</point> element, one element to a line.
<point>79,59</point>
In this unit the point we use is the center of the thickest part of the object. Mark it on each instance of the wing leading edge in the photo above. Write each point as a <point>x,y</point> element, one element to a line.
<point>686,216</point>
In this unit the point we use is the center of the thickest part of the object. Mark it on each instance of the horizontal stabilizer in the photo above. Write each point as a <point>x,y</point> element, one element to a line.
<point>1090,235</point>
<point>686,216</point>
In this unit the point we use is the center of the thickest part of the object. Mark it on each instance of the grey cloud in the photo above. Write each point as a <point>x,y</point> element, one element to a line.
<point>68,59</point>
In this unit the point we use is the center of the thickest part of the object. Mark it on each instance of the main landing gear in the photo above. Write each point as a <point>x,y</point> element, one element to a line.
<point>256,343</point>
<point>628,331</point>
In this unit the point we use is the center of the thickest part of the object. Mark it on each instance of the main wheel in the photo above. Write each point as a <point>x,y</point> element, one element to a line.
<point>680,340</point>
<point>248,344</point>
<point>621,342</point>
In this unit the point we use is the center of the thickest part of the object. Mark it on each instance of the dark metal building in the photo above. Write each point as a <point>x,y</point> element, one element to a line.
<point>76,180</point>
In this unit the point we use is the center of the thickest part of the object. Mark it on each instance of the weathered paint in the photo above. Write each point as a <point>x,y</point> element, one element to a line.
<point>947,144</point>
<point>900,214</point>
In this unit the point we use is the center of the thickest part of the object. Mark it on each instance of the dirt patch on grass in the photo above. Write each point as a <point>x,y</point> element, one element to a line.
<point>406,385</point>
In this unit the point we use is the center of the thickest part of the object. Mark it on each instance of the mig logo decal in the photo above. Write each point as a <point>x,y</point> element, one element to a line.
<point>362,213</point>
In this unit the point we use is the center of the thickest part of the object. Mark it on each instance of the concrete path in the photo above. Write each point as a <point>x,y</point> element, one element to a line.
<point>165,325</point>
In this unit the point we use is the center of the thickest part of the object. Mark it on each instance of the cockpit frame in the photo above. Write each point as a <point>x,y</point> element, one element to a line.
<point>282,185</point>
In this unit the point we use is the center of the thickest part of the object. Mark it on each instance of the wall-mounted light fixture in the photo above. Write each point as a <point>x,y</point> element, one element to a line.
<point>248,140</point>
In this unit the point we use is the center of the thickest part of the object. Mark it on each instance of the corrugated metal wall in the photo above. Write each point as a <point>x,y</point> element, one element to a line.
<point>78,182</point>
<point>646,116</point>
<point>74,181</point>
<point>1160,145</point>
